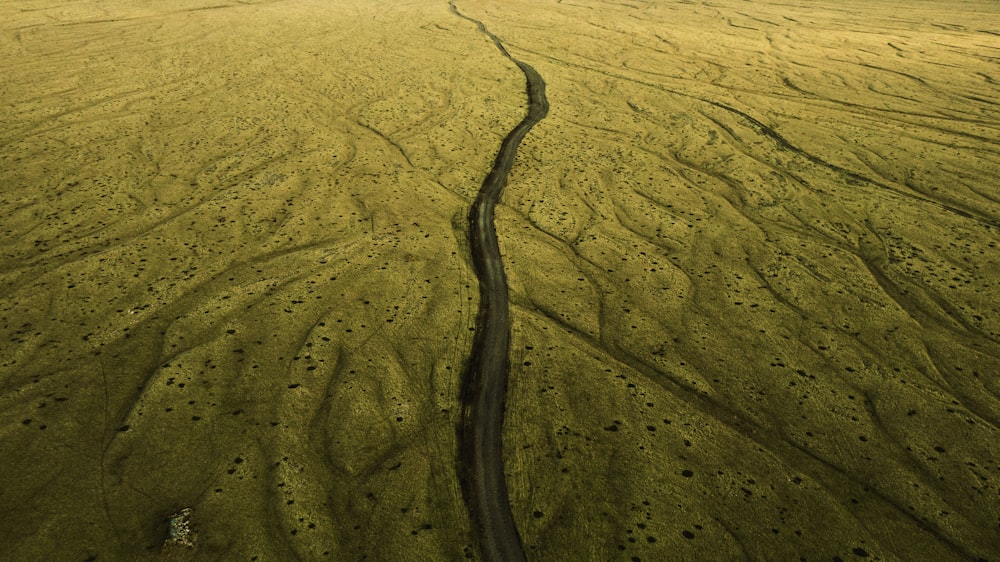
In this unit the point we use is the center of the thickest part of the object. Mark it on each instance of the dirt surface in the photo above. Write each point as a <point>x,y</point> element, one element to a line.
<point>767,326</point>
<point>234,274</point>
<point>751,252</point>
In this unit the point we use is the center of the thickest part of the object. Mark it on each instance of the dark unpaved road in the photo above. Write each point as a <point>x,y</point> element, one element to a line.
<point>484,379</point>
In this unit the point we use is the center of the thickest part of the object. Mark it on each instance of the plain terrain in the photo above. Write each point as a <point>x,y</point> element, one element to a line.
<point>752,254</point>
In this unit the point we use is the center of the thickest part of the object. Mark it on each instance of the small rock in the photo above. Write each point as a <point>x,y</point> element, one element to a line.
<point>180,531</point>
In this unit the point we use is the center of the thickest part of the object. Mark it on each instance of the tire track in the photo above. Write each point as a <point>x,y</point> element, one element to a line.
<point>484,378</point>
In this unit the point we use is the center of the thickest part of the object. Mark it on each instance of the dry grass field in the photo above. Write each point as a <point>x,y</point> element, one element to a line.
<point>752,255</point>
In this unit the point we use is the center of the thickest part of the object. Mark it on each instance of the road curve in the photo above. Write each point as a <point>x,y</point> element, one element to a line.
<point>484,378</point>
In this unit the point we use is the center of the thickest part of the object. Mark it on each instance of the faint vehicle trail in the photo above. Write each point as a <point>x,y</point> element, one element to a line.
<point>484,379</point>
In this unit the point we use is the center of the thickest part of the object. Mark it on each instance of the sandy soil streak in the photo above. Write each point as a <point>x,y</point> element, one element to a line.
<point>484,380</point>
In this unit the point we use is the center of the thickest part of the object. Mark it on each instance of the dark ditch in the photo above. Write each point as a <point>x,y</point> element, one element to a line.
<point>484,378</point>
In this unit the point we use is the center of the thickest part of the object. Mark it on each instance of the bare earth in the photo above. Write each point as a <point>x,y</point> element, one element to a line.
<point>752,256</point>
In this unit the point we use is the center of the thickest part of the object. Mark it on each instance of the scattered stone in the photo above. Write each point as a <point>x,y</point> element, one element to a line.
<point>180,531</point>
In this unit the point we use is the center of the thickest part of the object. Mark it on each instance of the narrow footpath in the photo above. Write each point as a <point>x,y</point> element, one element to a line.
<point>484,379</point>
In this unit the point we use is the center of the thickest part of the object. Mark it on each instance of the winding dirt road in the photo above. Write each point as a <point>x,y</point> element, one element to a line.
<point>484,379</point>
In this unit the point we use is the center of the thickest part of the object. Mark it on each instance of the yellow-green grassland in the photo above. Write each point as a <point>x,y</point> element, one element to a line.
<point>752,254</point>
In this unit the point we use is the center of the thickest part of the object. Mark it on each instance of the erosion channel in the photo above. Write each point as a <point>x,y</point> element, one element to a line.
<point>484,379</point>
